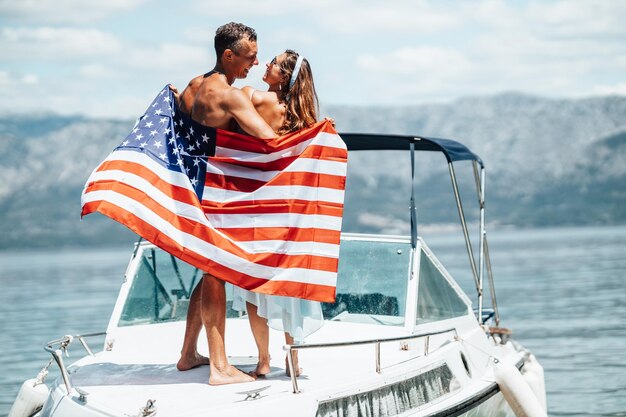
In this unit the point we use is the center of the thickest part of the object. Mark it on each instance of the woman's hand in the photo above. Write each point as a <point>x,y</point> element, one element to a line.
<point>331,120</point>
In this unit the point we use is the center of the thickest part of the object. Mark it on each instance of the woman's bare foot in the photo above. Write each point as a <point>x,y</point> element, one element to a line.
<point>295,365</point>
<point>186,363</point>
<point>228,375</point>
<point>262,368</point>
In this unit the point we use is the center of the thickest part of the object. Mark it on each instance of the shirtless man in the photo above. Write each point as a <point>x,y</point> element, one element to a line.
<point>211,100</point>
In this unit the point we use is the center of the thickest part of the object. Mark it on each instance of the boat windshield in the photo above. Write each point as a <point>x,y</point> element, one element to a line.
<point>161,289</point>
<point>438,295</point>
<point>371,285</point>
<point>372,281</point>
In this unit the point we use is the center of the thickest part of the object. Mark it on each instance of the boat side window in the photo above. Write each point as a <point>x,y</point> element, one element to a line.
<point>371,283</point>
<point>437,299</point>
<point>161,289</point>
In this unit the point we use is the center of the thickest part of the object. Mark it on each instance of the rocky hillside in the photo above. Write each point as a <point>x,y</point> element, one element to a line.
<point>549,162</point>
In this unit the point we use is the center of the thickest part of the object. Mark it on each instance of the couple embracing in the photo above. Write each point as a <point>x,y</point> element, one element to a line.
<point>289,104</point>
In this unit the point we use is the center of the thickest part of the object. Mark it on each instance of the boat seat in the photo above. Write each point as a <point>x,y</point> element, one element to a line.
<point>373,303</point>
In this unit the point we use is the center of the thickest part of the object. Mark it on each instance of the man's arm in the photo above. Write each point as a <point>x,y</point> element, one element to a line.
<point>242,110</point>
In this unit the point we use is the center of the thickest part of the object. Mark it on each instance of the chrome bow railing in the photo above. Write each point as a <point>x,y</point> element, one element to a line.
<point>61,349</point>
<point>375,342</point>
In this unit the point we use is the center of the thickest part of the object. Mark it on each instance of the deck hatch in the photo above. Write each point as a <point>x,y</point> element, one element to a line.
<point>392,399</point>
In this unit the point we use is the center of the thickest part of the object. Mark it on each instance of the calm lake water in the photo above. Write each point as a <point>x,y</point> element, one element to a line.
<point>561,291</point>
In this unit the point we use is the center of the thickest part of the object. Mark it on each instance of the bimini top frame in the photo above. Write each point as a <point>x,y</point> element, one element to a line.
<point>451,149</point>
<point>453,152</point>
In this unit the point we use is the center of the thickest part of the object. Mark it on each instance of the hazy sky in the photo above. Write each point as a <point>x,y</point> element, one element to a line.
<point>109,58</point>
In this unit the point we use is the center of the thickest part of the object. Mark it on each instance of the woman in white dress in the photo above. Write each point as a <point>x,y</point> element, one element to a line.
<point>289,104</point>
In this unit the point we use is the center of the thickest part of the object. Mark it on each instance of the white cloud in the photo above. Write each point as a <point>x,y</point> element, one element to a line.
<point>374,17</point>
<point>56,44</point>
<point>15,81</point>
<point>281,39</point>
<point>30,79</point>
<point>4,78</point>
<point>617,89</point>
<point>391,225</point>
<point>345,17</point>
<point>576,19</point>
<point>201,35</point>
<point>415,62</point>
<point>170,56</point>
<point>96,72</point>
<point>415,74</point>
<point>64,11</point>
<point>239,10</point>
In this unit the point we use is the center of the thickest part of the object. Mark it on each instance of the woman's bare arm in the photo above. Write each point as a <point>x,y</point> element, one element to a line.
<point>242,110</point>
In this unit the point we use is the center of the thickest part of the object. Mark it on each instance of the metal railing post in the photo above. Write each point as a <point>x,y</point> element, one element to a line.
<point>468,243</point>
<point>58,358</point>
<point>480,191</point>
<point>57,354</point>
<point>377,349</point>
<point>292,370</point>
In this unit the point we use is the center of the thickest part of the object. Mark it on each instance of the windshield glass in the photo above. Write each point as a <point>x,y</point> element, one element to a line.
<point>161,289</point>
<point>371,286</point>
<point>372,279</point>
<point>438,298</point>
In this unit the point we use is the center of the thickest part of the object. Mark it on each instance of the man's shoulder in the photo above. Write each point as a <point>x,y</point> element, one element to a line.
<point>195,82</point>
<point>234,94</point>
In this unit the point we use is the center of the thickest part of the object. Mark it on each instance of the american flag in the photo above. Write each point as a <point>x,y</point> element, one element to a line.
<point>262,214</point>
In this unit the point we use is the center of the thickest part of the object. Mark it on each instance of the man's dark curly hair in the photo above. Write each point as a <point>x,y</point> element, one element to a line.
<point>230,35</point>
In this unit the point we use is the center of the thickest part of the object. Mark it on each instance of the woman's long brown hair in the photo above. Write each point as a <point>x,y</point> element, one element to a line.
<point>301,99</point>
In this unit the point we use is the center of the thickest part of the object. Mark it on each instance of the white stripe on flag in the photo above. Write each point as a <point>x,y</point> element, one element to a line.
<point>175,178</point>
<point>274,192</point>
<point>299,165</point>
<point>302,221</point>
<point>290,247</point>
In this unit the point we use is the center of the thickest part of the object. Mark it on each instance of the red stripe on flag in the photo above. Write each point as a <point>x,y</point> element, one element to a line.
<point>307,179</point>
<point>245,143</point>
<point>246,234</point>
<point>273,206</point>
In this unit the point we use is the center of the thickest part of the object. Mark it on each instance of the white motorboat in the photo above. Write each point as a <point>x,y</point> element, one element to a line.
<point>402,338</point>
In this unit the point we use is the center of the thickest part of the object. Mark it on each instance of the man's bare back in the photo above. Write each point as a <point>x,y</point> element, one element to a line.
<point>204,100</point>
<point>211,101</point>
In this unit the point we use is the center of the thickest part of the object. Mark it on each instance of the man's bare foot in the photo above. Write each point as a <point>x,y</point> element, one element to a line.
<point>187,363</point>
<point>229,375</point>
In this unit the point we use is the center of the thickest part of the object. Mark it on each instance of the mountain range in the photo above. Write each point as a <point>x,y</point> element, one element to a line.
<point>549,162</point>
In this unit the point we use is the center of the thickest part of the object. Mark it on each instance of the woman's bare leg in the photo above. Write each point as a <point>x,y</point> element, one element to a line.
<point>294,356</point>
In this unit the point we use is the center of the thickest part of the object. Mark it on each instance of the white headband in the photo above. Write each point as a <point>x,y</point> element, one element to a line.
<point>296,70</point>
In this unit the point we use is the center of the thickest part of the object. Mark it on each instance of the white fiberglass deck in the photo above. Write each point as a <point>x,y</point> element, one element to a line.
<point>141,367</point>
